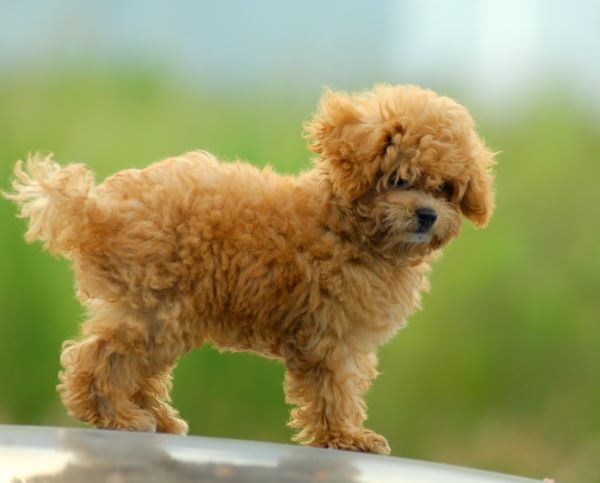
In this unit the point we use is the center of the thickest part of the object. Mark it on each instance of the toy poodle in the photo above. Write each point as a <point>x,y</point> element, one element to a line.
<point>315,270</point>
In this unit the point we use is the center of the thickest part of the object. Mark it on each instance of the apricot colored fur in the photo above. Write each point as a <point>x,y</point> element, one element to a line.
<point>316,270</point>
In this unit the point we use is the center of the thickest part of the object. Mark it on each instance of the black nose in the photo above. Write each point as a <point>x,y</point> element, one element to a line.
<point>426,218</point>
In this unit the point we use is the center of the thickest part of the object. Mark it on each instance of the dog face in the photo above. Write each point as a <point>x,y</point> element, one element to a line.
<point>404,163</point>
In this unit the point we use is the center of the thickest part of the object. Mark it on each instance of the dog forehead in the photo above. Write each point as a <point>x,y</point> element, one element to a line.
<point>439,152</point>
<point>436,161</point>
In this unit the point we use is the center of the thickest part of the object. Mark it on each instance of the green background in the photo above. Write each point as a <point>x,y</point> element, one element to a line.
<point>499,370</point>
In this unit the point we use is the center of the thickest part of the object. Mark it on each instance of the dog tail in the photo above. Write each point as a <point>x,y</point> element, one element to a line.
<point>57,200</point>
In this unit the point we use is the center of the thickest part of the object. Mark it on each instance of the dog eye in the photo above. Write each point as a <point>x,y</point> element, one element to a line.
<point>395,181</point>
<point>387,142</point>
<point>447,189</point>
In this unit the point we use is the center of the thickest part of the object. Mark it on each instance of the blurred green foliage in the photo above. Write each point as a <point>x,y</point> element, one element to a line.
<point>501,368</point>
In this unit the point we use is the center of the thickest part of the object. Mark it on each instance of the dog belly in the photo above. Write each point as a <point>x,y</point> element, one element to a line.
<point>243,341</point>
<point>249,314</point>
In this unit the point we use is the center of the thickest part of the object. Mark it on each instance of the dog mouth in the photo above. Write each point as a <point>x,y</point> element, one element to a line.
<point>419,236</point>
<point>411,235</point>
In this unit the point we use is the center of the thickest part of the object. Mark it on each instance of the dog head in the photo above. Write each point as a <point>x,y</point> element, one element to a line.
<point>403,164</point>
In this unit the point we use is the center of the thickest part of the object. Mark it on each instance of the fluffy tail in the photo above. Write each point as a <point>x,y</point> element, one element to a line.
<point>56,199</point>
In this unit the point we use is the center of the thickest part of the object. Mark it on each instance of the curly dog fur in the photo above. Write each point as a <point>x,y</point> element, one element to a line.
<point>316,270</point>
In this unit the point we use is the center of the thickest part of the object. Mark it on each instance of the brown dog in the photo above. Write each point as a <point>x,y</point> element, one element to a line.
<point>316,270</point>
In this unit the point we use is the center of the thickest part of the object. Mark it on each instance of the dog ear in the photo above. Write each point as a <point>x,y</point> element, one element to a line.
<point>336,110</point>
<point>346,142</point>
<point>479,200</point>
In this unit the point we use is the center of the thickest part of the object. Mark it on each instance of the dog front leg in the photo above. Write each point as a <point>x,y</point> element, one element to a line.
<point>331,408</point>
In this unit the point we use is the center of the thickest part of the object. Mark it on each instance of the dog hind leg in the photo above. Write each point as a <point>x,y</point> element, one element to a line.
<point>154,396</point>
<point>118,375</point>
<point>96,385</point>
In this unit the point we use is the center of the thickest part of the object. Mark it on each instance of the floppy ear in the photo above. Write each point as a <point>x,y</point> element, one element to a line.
<point>479,199</point>
<point>335,110</point>
<point>346,142</point>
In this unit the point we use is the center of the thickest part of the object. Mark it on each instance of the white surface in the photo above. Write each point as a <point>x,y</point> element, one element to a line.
<point>67,455</point>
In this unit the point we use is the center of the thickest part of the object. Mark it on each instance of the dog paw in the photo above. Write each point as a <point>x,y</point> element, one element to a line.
<point>365,441</point>
<point>139,420</point>
<point>173,426</point>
